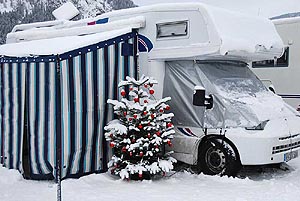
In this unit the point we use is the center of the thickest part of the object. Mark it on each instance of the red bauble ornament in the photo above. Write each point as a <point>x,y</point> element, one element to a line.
<point>123,93</point>
<point>112,145</point>
<point>130,119</point>
<point>169,125</point>
<point>130,154</point>
<point>124,149</point>
<point>168,107</point>
<point>131,88</point>
<point>151,91</point>
<point>145,112</point>
<point>170,143</point>
<point>141,154</point>
<point>140,126</point>
<point>124,113</point>
<point>161,110</point>
<point>148,135</point>
<point>145,85</point>
<point>135,116</point>
<point>136,100</point>
<point>145,101</point>
<point>140,175</point>
<point>158,133</point>
<point>152,116</point>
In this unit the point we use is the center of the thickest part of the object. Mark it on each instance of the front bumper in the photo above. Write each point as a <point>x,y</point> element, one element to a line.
<point>257,150</point>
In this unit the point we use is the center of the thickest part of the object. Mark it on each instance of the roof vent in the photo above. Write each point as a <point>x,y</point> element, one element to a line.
<point>66,12</point>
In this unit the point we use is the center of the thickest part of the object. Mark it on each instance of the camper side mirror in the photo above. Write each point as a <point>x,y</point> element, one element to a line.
<point>199,98</point>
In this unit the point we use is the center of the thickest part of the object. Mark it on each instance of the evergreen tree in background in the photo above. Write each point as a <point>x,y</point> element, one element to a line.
<point>29,11</point>
<point>139,136</point>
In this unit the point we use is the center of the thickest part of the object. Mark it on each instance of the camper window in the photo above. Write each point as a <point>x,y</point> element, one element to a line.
<point>172,29</point>
<point>283,61</point>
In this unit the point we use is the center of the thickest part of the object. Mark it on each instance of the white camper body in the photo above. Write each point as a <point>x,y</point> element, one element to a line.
<point>187,45</point>
<point>283,77</point>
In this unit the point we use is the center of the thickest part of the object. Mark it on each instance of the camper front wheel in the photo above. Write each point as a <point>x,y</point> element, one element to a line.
<point>216,156</point>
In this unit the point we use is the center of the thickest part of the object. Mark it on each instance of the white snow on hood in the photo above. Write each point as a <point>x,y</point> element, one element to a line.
<point>264,105</point>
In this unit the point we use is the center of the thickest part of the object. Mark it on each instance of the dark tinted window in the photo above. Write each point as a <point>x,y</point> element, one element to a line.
<point>172,29</point>
<point>283,61</point>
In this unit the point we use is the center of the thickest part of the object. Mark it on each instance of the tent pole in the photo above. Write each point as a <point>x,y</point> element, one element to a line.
<point>58,128</point>
<point>136,55</point>
<point>25,148</point>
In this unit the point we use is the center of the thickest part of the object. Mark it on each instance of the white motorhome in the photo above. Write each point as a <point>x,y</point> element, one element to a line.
<point>281,75</point>
<point>193,47</point>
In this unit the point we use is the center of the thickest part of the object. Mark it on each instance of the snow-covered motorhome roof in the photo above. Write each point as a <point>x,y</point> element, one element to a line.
<point>38,31</point>
<point>232,31</point>
<point>227,34</point>
<point>59,45</point>
<point>244,33</point>
<point>50,41</point>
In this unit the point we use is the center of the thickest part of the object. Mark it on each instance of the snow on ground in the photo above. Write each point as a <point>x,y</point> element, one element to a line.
<point>270,185</point>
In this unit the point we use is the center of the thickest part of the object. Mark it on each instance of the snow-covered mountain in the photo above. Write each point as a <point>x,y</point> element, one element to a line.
<point>87,7</point>
<point>14,12</point>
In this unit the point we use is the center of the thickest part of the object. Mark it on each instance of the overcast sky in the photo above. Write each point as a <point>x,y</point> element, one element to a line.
<point>266,8</point>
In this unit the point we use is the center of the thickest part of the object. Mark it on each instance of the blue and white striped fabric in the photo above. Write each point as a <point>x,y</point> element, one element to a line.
<point>40,76</point>
<point>12,80</point>
<point>29,92</point>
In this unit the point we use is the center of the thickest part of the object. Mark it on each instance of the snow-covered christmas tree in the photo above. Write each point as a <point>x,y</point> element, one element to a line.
<point>139,136</point>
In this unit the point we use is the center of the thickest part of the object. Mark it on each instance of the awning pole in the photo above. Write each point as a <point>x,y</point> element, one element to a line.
<point>58,129</point>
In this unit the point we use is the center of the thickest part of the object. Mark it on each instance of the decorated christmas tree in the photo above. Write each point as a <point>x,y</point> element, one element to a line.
<point>143,128</point>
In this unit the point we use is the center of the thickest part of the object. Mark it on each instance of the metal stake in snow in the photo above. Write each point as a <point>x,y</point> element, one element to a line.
<point>58,183</point>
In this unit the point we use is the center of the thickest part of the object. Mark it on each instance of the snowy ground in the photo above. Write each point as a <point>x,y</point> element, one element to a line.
<point>271,184</point>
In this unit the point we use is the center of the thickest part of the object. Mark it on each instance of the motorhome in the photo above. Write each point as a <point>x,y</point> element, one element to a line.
<point>224,115</point>
<point>281,74</point>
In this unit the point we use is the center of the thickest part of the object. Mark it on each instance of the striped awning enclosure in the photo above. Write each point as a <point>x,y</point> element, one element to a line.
<point>58,102</point>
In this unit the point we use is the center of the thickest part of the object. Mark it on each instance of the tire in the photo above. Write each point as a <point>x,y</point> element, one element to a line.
<point>218,157</point>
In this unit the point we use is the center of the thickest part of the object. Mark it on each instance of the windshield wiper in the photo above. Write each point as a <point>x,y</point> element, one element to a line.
<point>260,126</point>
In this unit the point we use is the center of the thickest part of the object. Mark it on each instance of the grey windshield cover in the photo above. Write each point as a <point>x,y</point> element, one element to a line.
<point>240,98</point>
